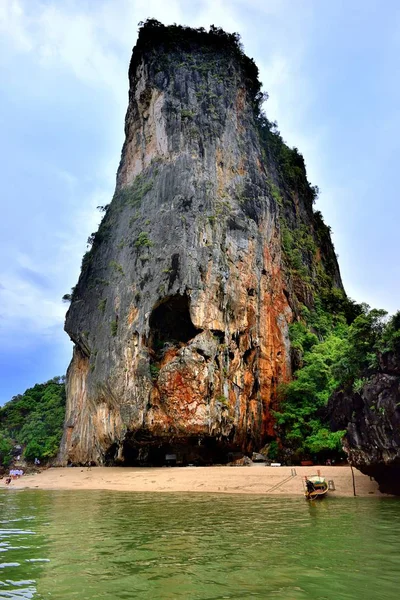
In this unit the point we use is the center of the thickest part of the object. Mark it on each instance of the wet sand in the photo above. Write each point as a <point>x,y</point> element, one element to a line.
<point>230,480</point>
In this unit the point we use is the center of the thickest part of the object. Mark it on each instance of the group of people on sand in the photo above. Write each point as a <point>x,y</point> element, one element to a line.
<point>14,474</point>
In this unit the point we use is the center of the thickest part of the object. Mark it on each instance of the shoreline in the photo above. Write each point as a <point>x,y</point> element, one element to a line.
<point>257,479</point>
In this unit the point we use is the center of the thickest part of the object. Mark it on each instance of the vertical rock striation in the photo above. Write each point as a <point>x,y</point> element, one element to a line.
<point>208,248</point>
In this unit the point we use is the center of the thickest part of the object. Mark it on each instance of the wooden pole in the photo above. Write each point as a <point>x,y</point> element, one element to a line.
<point>354,483</point>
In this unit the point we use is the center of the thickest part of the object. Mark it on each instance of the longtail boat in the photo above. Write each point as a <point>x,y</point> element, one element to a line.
<point>315,487</point>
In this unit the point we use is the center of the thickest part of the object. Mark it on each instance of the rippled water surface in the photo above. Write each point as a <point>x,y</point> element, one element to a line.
<point>94,545</point>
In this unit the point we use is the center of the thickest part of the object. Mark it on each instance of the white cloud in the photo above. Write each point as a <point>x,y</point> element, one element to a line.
<point>33,285</point>
<point>27,309</point>
<point>13,24</point>
<point>93,41</point>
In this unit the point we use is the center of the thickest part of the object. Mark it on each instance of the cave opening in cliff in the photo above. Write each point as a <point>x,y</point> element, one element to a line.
<point>170,323</point>
<point>147,451</point>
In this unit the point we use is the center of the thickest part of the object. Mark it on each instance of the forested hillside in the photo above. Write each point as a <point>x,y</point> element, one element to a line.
<point>333,347</point>
<point>33,420</point>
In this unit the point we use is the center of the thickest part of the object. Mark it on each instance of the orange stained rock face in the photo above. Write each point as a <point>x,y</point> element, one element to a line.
<point>181,397</point>
<point>79,370</point>
<point>77,414</point>
<point>259,358</point>
<point>132,315</point>
<point>168,356</point>
<point>276,314</point>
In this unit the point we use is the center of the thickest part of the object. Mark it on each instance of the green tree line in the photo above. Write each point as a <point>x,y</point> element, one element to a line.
<point>33,420</point>
<point>331,352</point>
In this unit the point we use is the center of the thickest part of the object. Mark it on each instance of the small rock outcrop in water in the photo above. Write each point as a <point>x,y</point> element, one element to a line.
<point>372,420</point>
<point>208,248</point>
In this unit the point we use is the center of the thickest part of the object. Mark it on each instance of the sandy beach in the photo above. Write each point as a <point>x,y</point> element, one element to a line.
<point>229,480</point>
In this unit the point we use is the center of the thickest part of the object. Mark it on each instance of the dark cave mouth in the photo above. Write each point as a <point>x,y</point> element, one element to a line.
<point>170,323</point>
<point>140,449</point>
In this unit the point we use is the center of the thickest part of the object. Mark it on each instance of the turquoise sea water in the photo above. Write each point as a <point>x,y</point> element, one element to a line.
<point>96,545</point>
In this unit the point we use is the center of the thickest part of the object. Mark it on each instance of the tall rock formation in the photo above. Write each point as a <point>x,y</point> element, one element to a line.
<point>371,417</point>
<point>208,248</point>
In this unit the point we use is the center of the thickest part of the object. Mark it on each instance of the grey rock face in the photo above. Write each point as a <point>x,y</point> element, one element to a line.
<point>372,420</point>
<point>180,316</point>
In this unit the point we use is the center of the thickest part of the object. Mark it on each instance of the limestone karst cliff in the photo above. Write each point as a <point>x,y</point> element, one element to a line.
<point>204,255</point>
<point>371,418</point>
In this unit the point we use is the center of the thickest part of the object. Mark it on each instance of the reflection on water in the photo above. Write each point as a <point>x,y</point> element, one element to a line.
<point>96,545</point>
<point>21,544</point>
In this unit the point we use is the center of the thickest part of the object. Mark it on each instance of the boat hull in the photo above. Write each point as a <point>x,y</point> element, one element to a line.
<point>315,488</point>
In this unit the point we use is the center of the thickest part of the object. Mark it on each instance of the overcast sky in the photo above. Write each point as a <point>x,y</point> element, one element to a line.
<point>331,69</point>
